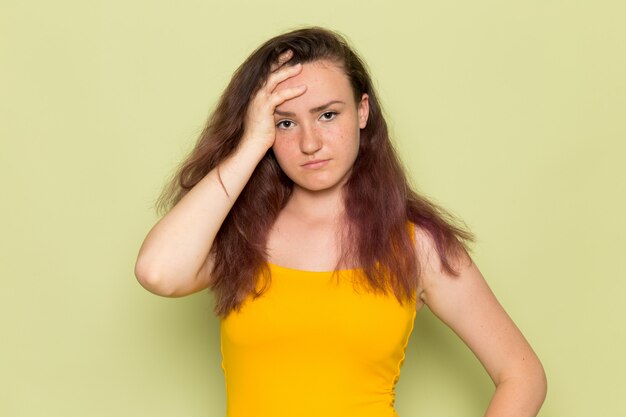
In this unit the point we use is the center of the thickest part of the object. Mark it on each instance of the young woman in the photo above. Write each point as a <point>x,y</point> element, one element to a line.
<point>294,209</point>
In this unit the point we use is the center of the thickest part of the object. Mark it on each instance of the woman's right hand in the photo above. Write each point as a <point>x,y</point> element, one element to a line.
<point>259,126</point>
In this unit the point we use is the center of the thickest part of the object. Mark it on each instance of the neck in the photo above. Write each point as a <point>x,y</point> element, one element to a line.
<point>316,206</point>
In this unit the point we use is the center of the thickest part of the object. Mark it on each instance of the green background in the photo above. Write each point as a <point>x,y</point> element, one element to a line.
<point>510,114</point>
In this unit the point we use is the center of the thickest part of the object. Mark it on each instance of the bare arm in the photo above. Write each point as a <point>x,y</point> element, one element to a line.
<point>467,305</point>
<point>174,258</point>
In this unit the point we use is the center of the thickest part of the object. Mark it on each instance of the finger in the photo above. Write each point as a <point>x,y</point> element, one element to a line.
<point>281,75</point>
<point>279,97</point>
<point>282,58</point>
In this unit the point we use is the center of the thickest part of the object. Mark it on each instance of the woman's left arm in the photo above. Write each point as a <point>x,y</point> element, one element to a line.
<point>468,306</point>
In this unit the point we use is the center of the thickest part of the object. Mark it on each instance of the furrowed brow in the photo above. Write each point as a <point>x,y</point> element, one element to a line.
<point>324,106</point>
<point>313,110</point>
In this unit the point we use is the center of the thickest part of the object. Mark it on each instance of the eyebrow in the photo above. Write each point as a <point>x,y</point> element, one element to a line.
<point>313,110</point>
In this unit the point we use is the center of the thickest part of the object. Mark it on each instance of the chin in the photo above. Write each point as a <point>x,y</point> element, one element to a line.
<point>324,182</point>
<point>316,186</point>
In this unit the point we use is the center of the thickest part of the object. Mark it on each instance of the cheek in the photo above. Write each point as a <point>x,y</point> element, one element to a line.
<point>282,152</point>
<point>279,148</point>
<point>350,141</point>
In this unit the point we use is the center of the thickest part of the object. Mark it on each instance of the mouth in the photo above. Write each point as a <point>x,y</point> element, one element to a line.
<point>317,163</point>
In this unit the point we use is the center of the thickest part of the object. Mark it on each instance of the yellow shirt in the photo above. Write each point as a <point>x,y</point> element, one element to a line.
<point>312,346</point>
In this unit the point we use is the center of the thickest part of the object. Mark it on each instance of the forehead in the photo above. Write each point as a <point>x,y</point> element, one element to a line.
<point>325,81</point>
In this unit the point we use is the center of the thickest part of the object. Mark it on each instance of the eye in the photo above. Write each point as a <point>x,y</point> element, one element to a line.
<point>286,124</point>
<point>329,115</point>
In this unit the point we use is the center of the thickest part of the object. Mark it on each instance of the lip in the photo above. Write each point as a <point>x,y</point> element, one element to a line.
<point>317,163</point>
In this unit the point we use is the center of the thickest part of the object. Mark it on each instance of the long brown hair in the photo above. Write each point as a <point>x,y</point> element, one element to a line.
<point>378,198</point>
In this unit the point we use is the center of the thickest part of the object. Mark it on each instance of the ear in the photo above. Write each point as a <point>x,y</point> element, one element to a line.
<point>364,110</point>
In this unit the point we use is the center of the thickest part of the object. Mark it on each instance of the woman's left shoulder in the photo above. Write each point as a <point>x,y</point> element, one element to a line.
<point>426,249</point>
<point>431,265</point>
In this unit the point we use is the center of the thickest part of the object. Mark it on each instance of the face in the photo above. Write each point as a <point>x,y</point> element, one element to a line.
<point>318,132</point>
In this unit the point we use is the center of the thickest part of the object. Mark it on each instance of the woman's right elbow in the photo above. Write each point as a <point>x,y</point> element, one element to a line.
<point>151,279</point>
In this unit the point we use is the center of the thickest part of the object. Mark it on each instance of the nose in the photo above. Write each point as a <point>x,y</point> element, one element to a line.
<point>310,140</point>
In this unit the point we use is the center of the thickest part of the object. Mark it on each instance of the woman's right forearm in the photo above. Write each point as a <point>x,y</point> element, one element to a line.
<point>176,248</point>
